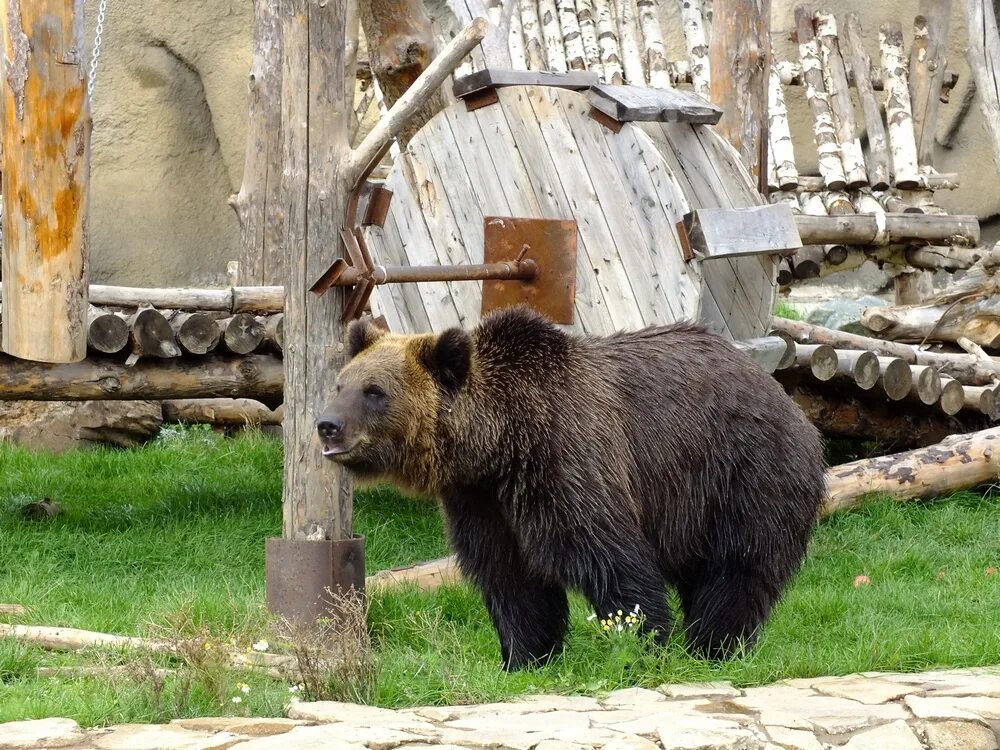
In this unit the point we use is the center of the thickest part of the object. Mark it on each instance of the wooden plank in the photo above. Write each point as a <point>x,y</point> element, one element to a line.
<point>734,232</point>
<point>544,174</point>
<point>766,351</point>
<point>597,199</point>
<point>660,252</point>
<point>640,104</point>
<point>387,248</point>
<point>494,78</point>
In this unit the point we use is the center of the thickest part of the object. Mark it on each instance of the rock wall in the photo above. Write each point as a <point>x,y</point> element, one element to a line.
<point>169,129</point>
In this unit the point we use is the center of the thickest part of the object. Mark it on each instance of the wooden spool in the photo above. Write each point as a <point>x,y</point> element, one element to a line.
<point>537,153</point>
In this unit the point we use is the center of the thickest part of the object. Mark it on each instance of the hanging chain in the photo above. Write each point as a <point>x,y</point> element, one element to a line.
<point>101,8</point>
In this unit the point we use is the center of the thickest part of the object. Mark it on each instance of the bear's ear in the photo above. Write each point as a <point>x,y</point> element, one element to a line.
<point>448,358</point>
<point>361,334</point>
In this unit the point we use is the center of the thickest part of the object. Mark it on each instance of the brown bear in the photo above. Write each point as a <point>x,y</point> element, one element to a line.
<point>615,466</point>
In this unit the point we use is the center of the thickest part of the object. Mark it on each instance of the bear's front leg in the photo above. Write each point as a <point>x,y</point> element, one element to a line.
<point>529,613</point>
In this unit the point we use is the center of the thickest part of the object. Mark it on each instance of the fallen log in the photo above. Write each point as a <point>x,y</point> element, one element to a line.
<point>234,412</point>
<point>255,376</point>
<point>982,398</point>
<point>274,333</point>
<point>958,462</point>
<point>926,384</point>
<point>74,639</point>
<point>13,609</point>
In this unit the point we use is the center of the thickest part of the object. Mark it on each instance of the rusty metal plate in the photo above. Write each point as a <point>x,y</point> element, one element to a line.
<point>300,575</point>
<point>551,245</point>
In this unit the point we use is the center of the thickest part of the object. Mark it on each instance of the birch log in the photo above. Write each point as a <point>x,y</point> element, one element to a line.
<point>927,66</point>
<point>902,145</point>
<point>534,46</point>
<point>607,41</point>
<point>652,43</point>
<point>780,134</point>
<point>983,56</point>
<point>693,22</point>
<point>515,41</point>
<point>835,76</point>
<point>45,164</point>
<point>824,130</point>
<point>878,149</point>
<point>628,38</point>
<point>588,33</point>
<point>571,34</point>
<point>555,50</point>
<point>957,462</point>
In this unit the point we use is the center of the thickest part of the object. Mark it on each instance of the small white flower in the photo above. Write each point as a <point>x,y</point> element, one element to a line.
<point>245,689</point>
<point>260,646</point>
<point>294,688</point>
<point>635,609</point>
<point>237,699</point>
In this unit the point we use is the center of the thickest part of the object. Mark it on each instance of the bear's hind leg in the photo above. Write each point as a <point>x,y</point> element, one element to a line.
<point>529,613</point>
<point>724,608</point>
<point>632,580</point>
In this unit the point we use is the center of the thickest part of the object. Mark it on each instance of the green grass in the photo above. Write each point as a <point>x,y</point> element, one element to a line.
<point>785,310</point>
<point>174,533</point>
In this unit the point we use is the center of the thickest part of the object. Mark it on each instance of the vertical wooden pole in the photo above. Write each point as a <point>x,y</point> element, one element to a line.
<point>46,176</point>
<point>740,61</point>
<point>317,550</point>
<point>927,64</point>
<point>983,56</point>
<point>257,204</point>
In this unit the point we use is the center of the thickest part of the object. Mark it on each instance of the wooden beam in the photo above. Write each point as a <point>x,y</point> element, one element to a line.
<point>735,232</point>
<point>740,61</point>
<point>231,412</point>
<point>642,104</point>
<point>890,229</point>
<point>46,179</point>
<point>255,299</point>
<point>983,56</point>
<point>767,351</point>
<point>256,376</point>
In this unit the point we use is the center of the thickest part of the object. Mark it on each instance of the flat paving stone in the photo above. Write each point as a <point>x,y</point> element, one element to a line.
<point>959,735</point>
<point>954,708</point>
<point>793,739</point>
<point>894,736</point>
<point>246,726</point>
<point>700,690</point>
<point>40,733</point>
<point>868,690</point>
<point>162,737</point>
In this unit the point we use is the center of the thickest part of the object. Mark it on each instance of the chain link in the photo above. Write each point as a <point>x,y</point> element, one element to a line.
<point>101,9</point>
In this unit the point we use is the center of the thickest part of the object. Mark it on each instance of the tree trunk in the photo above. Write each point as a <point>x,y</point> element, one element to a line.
<point>46,179</point>
<point>400,45</point>
<point>899,229</point>
<point>898,111</point>
<point>927,66</point>
<point>257,376</point>
<point>983,56</point>
<point>977,319</point>
<point>740,61</point>
<point>196,333</point>
<point>257,299</point>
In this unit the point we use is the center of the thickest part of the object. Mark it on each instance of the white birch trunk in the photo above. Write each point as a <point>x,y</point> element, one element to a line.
<point>572,38</point>
<point>652,40</point>
<point>835,75</point>
<point>780,135</point>
<point>692,19</point>
<point>588,33</point>
<point>515,41</point>
<point>628,35</point>
<point>531,27</point>
<point>555,51</point>
<point>827,146</point>
<point>607,41</point>
<point>902,144</point>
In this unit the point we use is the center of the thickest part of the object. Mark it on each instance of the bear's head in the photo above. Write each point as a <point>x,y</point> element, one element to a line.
<point>388,398</point>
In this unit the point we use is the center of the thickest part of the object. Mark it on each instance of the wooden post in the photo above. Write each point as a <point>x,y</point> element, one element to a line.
<point>983,56</point>
<point>46,179</point>
<point>927,63</point>
<point>740,61</point>
<point>257,205</point>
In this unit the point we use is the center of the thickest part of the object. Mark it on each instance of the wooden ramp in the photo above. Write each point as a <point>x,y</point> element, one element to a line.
<point>538,153</point>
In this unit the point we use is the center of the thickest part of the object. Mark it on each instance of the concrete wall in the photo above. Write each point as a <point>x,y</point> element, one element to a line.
<point>169,129</point>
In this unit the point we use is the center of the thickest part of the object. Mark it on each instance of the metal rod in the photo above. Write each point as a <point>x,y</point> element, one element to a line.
<point>524,270</point>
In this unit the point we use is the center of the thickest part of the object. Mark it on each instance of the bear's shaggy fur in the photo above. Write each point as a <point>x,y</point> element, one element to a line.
<point>615,466</point>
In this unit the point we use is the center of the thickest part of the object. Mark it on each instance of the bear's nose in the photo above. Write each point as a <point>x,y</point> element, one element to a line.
<point>330,428</point>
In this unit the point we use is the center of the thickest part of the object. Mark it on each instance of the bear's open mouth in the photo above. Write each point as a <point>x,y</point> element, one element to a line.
<point>335,450</point>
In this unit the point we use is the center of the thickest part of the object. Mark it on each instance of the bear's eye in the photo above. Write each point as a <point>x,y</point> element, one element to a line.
<point>373,391</point>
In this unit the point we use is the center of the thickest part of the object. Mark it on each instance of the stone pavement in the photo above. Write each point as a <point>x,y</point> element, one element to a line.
<point>944,710</point>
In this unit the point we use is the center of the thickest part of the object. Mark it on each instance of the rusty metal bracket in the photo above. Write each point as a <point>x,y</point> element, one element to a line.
<point>377,207</point>
<point>304,578</point>
<point>606,120</point>
<point>552,244</point>
<point>481,99</point>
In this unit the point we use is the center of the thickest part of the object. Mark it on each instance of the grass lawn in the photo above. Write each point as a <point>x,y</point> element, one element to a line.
<point>172,536</point>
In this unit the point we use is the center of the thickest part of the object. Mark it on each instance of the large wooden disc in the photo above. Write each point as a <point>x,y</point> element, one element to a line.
<point>537,153</point>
